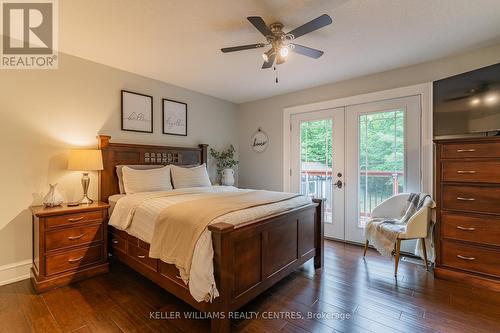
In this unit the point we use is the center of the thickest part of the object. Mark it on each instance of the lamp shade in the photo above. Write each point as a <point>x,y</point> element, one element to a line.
<point>85,160</point>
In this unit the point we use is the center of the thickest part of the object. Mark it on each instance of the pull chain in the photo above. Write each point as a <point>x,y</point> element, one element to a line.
<point>276,73</point>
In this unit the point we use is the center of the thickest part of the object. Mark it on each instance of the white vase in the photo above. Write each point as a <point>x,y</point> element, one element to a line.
<point>53,198</point>
<point>227,178</point>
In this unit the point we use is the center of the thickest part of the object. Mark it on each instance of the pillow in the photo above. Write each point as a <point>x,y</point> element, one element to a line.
<point>135,181</point>
<point>119,172</point>
<point>190,177</point>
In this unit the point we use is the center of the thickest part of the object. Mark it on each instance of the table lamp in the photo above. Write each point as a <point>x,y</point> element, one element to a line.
<point>85,160</point>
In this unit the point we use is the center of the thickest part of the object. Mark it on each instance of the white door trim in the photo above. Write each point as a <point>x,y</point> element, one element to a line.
<point>424,90</point>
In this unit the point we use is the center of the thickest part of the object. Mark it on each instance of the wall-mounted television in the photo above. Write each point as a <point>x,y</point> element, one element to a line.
<point>468,103</point>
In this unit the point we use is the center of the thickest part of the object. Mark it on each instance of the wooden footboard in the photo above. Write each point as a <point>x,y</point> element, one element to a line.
<point>247,260</point>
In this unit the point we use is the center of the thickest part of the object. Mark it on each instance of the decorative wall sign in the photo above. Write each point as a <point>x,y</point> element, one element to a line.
<point>260,141</point>
<point>174,117</point>
<point>137,112</point>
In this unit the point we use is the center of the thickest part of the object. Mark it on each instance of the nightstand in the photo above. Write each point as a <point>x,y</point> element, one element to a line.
<point>69,244</point>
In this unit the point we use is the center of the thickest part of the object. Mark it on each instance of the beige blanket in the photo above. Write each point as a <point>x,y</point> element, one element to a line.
<point>179,227</point>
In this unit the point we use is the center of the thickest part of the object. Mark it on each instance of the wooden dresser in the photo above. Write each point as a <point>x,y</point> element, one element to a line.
<point>468,211</point>
<point>69,244</point>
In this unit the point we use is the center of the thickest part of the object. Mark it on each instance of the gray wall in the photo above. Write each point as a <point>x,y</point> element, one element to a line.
<point>44,113</point>
<point>265,170</point>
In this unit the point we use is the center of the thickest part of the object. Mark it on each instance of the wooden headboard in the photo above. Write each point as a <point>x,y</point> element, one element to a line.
<point>114,154</point>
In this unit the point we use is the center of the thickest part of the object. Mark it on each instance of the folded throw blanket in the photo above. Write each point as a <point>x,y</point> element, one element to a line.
<point>382,233</point>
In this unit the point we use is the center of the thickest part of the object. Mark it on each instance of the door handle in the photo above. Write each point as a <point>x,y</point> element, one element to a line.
<point>338,184</point>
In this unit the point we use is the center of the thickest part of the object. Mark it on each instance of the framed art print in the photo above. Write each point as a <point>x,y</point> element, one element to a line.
<point>174,117</point>
<point>137,112</point>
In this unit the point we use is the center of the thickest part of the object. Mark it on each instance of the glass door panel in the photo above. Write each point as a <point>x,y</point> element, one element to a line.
<point>316,161</point>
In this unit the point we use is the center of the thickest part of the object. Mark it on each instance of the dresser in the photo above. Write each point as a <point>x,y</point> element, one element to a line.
<point>468,211</point>
<point>69,244</point>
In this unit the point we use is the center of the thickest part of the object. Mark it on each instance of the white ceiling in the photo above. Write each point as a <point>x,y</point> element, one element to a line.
<point>179,41</point>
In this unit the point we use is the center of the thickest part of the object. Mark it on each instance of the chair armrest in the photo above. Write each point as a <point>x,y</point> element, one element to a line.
<point>418,224</point>
<point>392,208</point>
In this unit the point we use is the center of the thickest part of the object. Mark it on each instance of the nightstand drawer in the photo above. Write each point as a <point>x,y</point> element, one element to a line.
<point>141,255</point>
<point>63,238</point>
<point>73,260</point>
<point>471,171</point>
<point>468,150</point>
<point>471,258</point>
<point>483,199</point>
<point>71,219</point>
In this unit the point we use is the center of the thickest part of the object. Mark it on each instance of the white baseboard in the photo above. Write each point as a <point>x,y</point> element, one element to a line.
<point>15,272</point>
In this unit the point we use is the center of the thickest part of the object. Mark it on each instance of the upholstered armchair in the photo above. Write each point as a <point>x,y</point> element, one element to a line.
<point>416,228</point>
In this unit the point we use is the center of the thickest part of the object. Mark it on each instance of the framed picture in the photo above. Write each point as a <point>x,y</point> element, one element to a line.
<point>137,112</point>
<point>174,117</point>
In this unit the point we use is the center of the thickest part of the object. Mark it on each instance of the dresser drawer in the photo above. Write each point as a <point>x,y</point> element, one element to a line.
<point>484,199</point>
<point>73,260</point>
<point>471,171</point>
<point>484,229</point>
<point>141,255</point>
<point>467,150</point>
<point>118,243</point>
<point>63,238</point>
<point>71,219</point>
<point>470,258</point>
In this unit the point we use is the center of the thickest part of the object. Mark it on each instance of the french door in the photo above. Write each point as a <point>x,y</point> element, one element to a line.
<point>355,157</point>
<point>317,158</point>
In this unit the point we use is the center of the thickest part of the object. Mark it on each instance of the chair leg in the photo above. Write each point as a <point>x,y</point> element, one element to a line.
<point>424,249</point>
<point>396,262</point>
<point>366,248</point>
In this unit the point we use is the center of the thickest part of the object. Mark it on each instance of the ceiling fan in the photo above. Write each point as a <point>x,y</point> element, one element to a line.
<point>282,43</point>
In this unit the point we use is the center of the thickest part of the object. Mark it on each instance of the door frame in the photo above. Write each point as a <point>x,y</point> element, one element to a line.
<point>424,90</point>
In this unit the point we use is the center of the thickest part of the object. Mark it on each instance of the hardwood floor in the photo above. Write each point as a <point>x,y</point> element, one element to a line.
<point>349,295</point>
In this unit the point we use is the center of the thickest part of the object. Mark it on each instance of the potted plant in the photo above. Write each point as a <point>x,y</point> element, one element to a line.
<point>225,163</point>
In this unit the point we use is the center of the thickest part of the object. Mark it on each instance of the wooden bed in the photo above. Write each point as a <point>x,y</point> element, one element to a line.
<point>247,260</point>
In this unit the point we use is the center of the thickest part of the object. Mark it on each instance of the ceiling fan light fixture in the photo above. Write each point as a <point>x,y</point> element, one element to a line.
<point>284,51</point>
<point>267,55</point>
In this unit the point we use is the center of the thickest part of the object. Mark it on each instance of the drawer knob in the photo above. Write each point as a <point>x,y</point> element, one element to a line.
<point>115,241</point>
<point>465,228</point>
<point>465,258</point>
<point>76,219</point>
<point>76,237</point>
<point>465,199</point>
<point>467,172</point>
<point>75,259</point>
<point>465,150</point>
<point>141,256</point>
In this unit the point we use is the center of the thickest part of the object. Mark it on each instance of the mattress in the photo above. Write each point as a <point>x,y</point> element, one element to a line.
<point>201,280</point>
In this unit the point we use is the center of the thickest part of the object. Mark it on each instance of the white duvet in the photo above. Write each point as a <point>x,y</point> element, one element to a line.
<point>136,214</point>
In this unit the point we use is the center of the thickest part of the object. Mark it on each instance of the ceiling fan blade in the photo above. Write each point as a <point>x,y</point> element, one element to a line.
<point>458,98</point>
<point>259,23</point>
<point>307,51</point>
<point>242,47</point>
<point>270,62</point>
<point>317,23</point>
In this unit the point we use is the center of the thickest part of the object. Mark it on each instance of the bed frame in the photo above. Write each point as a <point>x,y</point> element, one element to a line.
<point>247,260</point>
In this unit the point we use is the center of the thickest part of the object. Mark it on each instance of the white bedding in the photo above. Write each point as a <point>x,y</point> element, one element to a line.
<point>201,282</point>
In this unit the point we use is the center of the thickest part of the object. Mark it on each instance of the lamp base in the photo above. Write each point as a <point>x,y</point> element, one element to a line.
<point>85,200</point>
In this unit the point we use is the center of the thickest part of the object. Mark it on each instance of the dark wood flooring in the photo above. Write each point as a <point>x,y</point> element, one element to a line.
<point>349,295</point>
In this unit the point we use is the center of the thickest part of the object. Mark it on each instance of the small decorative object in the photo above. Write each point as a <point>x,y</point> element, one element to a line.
<point>53,198</point>
<point>137,112</point>
<point>260,141</point>
<point>227,177</point>
<point>225,163</point>
<point>85,160</point>
<point>174,117</point>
